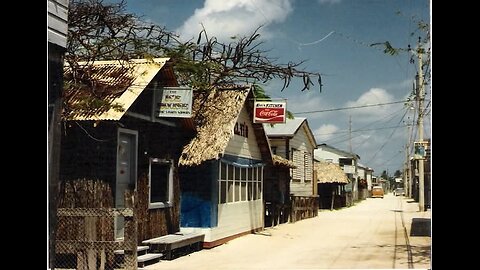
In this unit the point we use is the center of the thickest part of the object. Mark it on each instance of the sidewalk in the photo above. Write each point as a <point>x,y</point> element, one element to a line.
<point>418,234</point>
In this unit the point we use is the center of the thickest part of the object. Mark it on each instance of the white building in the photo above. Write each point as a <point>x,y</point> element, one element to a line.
<point>347,161</point>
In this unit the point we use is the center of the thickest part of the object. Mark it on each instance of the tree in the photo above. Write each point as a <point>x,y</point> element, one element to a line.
<point>101,31</point>
<point>384,175</point>
<point>397,174</point>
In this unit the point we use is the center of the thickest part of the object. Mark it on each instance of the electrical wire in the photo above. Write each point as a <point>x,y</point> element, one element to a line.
<point>353,107</point>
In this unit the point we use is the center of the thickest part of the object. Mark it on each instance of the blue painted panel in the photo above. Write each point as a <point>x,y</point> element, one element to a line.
<point>198,198</point>
<point>195,211</point>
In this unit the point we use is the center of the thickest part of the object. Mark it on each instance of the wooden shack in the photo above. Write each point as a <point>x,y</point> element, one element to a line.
<point>331,184</point>
<point>222,167</point>
<point>112,135</point>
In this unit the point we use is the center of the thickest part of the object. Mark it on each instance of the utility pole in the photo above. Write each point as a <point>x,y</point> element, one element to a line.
<point>350,134</point>
<point>406,175</point>
<point>420,98</point>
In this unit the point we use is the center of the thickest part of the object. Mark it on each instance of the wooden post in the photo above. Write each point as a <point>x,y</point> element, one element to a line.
<point>333,199</point>
<point>130,235</point>
<point>91,235</point>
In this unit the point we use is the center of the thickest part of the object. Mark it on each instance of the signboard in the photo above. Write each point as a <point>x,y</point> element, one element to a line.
<point>175,102</point>
<point>419,151</point>
<point>269,112</point>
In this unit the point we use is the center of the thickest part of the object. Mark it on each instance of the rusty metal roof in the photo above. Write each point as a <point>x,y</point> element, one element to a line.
<point>104,90</point>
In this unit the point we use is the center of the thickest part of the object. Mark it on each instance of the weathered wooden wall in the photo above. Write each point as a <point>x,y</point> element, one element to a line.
<point>156,222</point>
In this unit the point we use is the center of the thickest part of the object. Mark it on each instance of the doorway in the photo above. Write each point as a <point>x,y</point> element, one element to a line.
<point>126,172</point>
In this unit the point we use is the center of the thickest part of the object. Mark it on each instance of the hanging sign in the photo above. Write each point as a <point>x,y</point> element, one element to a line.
<point>175,102</point>
<point>269,112</point>
<point>419,151</point>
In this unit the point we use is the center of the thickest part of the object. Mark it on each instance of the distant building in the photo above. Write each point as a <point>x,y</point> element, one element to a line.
<point>347,161</point>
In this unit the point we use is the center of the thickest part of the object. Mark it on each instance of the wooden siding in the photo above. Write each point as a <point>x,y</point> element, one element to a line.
<point>241,146</point>
<point>57,22</point>
<point>301,189</point>
<point>281,147</point>
<point>234,219</point>
<point>301,143</point>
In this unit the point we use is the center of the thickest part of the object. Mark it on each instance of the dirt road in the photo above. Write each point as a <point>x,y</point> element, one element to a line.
<point>375,233</point>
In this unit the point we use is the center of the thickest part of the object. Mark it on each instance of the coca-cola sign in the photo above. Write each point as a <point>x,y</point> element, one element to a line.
<point>269,112</point>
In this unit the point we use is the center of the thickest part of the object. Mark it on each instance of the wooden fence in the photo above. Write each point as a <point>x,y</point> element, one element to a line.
<point>91,251</point>
<point>303,207</point>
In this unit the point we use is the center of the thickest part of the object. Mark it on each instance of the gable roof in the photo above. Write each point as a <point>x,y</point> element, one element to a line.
<point>330,173</point>
<point>289,129</point>
<point>215,114</point>
<point>328,148</point>
<point>115,84</point>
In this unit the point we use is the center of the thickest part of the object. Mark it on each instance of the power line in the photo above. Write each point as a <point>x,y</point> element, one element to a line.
<point>386,141</point>
<point>340,139</point>
<point>353,107</point>
<point>359,130</point>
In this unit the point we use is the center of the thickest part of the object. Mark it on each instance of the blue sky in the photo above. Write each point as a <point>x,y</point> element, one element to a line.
<point>333,36</point>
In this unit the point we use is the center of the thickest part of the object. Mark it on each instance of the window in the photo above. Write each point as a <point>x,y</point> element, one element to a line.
<point>161,183</point>
<point>308,166</point>
<point>239,184</point>
<point>274,150</point>
<point>298,173</point>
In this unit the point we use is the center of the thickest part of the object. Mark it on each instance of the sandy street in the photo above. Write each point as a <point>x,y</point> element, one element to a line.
<point>375,233</point>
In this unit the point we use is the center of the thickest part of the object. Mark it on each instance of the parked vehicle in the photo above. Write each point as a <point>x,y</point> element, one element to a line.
<point>399,192</point>
<point>377,192</point>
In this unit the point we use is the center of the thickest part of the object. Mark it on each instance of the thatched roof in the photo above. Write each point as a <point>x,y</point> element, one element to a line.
<point>280,161</point>
<point>330,173</point>
<point>215,114</point>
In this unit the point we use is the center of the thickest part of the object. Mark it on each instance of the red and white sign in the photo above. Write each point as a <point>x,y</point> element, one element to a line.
<point>270,112</point>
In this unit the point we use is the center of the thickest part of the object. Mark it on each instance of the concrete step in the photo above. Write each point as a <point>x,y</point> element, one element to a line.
<point>148,258</point>
<point>140,250</point>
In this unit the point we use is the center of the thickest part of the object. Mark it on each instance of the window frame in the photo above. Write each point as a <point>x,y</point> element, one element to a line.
<point>169,202</point>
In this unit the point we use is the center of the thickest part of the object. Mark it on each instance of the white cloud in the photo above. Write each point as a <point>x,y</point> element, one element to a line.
<point>225,19</point>
<point>331,2</point>
<point>308,102</point>
<point>372,97</point>
<point>325,132</point>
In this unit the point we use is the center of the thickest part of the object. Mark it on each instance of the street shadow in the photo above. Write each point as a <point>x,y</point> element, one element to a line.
<point>418,255</point>
<point>421,227</point>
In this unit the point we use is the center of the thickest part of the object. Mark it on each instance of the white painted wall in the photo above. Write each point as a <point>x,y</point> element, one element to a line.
<point>361,172</point>
<point>234,218</point>
<point>321,154</point>
<point>57,22</point>
<point>241,146</point>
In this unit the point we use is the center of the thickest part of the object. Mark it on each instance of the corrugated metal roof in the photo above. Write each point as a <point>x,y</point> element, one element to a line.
<point>288,129</point>
<point>106,89</point>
